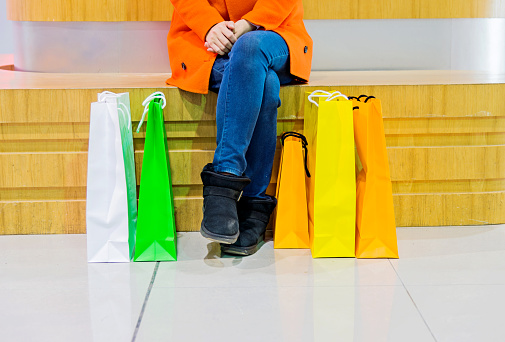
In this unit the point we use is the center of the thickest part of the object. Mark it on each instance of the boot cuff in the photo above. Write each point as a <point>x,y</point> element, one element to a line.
<point>210,177</point>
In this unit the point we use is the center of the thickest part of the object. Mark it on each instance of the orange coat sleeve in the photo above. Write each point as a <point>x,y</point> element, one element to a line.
<point>270,13</point>
<point>198,15</point>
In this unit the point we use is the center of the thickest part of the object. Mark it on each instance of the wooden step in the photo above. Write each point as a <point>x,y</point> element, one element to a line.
<point>444,130</point>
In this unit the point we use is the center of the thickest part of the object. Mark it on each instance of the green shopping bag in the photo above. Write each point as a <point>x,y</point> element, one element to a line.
<point>156,234</point>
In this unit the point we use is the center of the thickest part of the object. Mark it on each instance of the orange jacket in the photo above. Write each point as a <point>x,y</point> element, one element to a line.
<point>190,61</point>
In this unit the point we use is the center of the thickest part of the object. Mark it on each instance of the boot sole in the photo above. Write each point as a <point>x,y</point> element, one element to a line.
<point>244,251</point>
<point>226,239</point>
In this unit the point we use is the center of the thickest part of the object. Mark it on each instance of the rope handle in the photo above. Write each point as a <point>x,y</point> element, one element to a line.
<point>335,95</point>
<point>323,93</point>
<point>103,96</point>
<point>318,93</point>
<point>304,146</point>
<point>147,101</point>
<point>359,98</point>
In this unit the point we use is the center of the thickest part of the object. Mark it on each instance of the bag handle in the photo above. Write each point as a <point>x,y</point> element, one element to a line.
<point>106,94</point>
<point>334,96</point>
<point>103,96</point>
<point>323,93</point>
<point>147,101</point>
<point>318,93</point>
<point>127,116</point>
<point>304,146</point>
<point>359,98</point>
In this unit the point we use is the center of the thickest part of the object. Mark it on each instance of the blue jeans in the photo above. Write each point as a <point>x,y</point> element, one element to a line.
<point>248,79</point>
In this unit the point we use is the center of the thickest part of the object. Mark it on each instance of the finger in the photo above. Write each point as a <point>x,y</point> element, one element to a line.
<point>207,45</point>
<point>216,49</point>
<point>230,36</point>
<point>220,45</point>
<point>230,25</point>
<point>225,49</point>
<point>226,43</point>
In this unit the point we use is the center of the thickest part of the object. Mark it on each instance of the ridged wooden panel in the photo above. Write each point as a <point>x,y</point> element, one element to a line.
<point>445,144</point>
<point>68,216</point>
<point>417,210</point>
<point>192,190</point>
<point>407,164</point>
<point>448,186</point>
<point>439,163</point>
<point>207,143</point>
<point>403,9</point>
<point>479,123</point>
<point>445,140</point>
<point>421,102</point>
<point>450,209</point>
<point>158,10</point>
<point>62,133</point>
<point>43,217</point>
<point>89,10</point>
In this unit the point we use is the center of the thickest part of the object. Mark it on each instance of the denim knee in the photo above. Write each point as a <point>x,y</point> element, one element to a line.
<point>247,49</point>
<point>271,97</point>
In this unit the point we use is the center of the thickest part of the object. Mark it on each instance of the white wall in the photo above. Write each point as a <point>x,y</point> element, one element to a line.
<point>399,44</point>
<point>6,35</point>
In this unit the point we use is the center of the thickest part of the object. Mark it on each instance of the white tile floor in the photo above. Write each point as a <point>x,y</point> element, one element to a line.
<point>449,285</point>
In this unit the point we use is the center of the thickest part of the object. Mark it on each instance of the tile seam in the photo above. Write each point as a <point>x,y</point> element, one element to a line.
<point>146,299</point>
<point>413,302</point>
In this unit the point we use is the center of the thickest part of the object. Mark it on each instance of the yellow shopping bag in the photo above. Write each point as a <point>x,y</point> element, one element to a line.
<point>375,217</point>
<point>291,217</point>
<point>328,126</point>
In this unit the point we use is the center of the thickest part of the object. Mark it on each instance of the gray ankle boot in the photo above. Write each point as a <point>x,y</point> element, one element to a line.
<point>220,196</point>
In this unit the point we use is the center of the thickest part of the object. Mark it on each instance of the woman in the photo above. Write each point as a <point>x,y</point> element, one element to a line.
<point>244,50</point>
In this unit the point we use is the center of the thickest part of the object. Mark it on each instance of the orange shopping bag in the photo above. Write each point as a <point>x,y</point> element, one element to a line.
<point>375,217</point>
<point>291,219</point>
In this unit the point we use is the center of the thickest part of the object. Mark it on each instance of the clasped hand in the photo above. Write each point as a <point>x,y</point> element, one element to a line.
<point>222,36</point>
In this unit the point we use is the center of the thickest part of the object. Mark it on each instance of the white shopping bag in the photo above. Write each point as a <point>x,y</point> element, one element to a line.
<point>111,199</point>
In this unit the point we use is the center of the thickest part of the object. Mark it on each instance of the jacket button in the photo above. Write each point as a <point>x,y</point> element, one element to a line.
<point>305,49</point>
<point>183,66</point>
